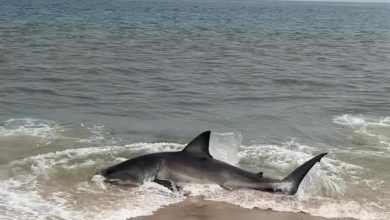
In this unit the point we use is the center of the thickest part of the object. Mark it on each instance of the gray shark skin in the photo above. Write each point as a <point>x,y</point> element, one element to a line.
<point>194,164</point>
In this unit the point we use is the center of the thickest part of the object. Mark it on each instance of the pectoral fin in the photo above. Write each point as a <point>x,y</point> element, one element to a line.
<point>168,184</point>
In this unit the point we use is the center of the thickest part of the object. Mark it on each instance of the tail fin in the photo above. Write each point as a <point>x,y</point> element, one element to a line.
<point>298,174</point>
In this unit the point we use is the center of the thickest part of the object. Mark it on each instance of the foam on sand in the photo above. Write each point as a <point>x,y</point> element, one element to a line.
<point>61,185</point>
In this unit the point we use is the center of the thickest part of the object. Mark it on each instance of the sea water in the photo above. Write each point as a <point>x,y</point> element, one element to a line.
<point>87,84</point>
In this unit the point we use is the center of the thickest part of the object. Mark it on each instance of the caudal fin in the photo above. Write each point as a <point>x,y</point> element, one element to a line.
<point>295,178</point>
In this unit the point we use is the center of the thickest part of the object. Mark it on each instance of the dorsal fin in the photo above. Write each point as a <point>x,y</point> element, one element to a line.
<point>259,174</point>
<point>200,145</point>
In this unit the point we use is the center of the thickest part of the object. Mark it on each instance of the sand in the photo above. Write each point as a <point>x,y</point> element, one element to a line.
<point>200,209</point>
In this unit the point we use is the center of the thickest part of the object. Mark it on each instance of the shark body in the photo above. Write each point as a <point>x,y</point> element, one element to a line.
<point>194,164</point>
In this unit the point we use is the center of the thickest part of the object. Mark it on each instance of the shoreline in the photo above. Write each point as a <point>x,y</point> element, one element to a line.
<point>194,208</point>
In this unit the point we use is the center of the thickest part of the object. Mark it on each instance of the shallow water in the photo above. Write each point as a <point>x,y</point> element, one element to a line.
<point>86,84</point>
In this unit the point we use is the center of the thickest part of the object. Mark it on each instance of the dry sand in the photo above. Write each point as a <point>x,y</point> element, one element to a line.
<point>200,209</point>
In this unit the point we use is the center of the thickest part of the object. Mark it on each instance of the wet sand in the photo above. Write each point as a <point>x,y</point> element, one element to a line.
<point>200,209</point>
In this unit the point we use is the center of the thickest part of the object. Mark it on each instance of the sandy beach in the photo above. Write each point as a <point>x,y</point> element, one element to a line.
<point>200,209</point>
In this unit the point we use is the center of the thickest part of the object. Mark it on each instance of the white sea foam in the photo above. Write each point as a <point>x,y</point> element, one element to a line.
<point>361,120</point>
<point>29,193</point>
<point>315,205</point>
<point>46,131</point>
<point>123,204</point>
<point>60,184</point>
<point>325,178</point>
<point>19,199</point>
<point>225,146</point>
<point>371,131</point>
<point>43,129</point>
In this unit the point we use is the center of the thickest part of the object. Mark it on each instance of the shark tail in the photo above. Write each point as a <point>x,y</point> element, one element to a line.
<point>295,178</point>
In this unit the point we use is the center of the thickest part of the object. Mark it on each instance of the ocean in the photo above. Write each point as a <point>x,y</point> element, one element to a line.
<point>85,84</point>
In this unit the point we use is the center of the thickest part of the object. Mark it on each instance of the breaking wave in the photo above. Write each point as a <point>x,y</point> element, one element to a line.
<point>60,184</point>
<point>371,131</point>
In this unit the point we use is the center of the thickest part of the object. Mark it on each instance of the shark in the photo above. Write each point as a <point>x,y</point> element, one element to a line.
<point>195,164</point>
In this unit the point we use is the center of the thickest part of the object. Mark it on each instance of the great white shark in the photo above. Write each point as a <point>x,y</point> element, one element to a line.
<point>194,164</point>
